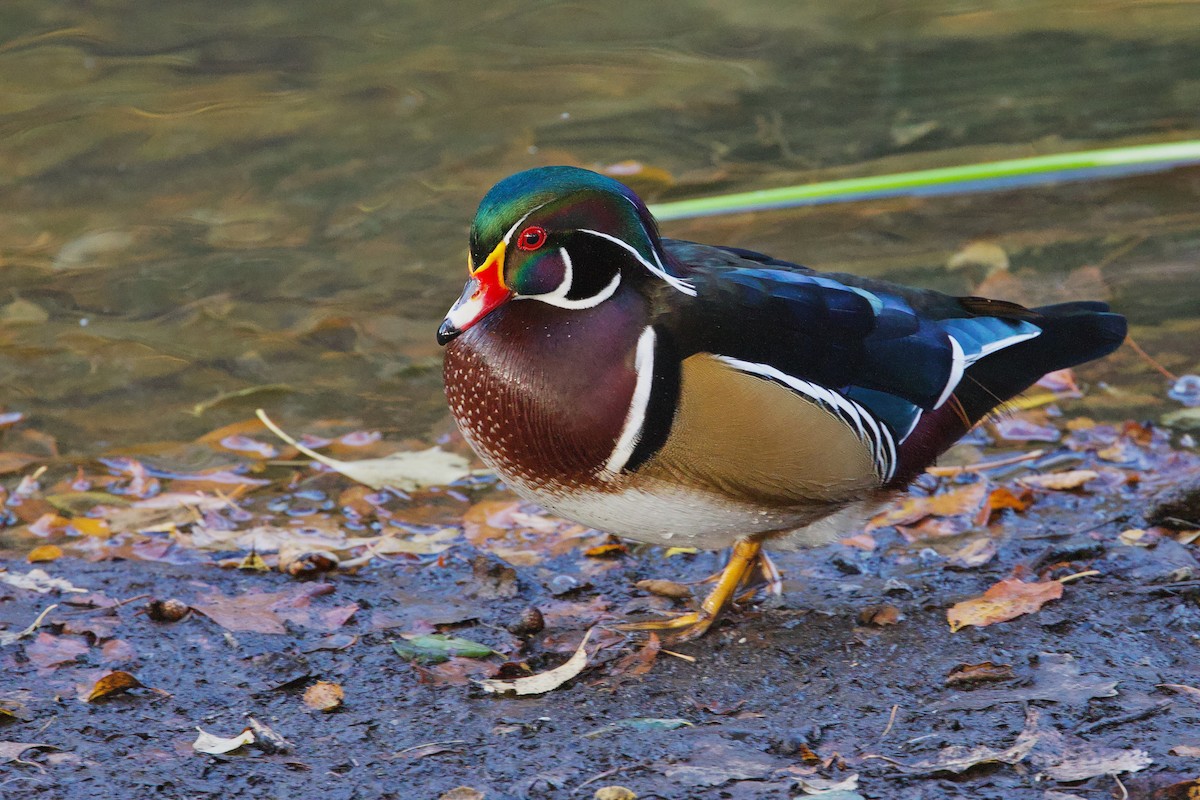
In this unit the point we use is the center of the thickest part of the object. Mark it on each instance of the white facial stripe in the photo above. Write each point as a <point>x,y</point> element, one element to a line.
<point>559,298</point>
<point>631,431</point>
<point>508,236</point>
<point>875,436</point>
<point>659,270</point>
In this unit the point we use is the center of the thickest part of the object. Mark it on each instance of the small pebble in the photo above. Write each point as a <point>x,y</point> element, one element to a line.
<point>169,610</point>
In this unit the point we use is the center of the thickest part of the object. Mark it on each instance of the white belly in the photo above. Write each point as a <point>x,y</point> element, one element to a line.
<point>677,518</point>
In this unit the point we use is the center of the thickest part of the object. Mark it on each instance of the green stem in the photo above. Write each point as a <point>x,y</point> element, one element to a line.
<point>993,175</point>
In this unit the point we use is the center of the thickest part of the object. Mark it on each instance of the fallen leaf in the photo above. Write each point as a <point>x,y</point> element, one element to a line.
<point>545,681</point>
<point>664,588</point>
<point>974,553</point>
<point>1190,692</point>
<point>638,724</point>
<point>437,647</point>
<point>112,683</point>
<point>1057,679</point>
<point>1066,757</point>
<point>11,752</point>
<point>1017,429</point>
<point>115,650</point>
<point>640,661</point>
<point>462,793</point>
<point>405,471</point>
<point>1186,750</point>
<point>985,672</point>
<point>217,746</point>
<point>1059,481</point>
<point>39,581</point>
<point>1000,499</point>
<point>44,552</point>
<point>1183,790</point>
<point>614,793</point>
<point>963,500</point>
<point>1005,600</point>
<point>266,612</point>
<point>715,762</point>
<point>607,550</point>
<point>48,651</point>
<point>959,758</point>
<point>830,788</point>
<point>880,615</point>
<point>324,696</point>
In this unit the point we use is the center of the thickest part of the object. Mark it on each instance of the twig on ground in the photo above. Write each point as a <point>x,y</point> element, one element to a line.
<point>891,722</point>
<point>1121,719</point>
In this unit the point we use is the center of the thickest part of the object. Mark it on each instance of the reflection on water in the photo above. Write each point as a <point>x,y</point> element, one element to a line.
<point>268,201</point>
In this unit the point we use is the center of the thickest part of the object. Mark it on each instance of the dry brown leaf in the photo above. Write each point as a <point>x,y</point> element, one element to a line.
<point>112,683</point>
<point>462,793</point>
<point>614,793</point>
<point>12,751</point>
<point>985,672</point>
<point>1186,750</point>
<point>974,553</point>
<point>640,661</point>
<point>324,696</point>
<point>664,588</point>
<point>880,615</point>
<point>544,681</point>
<point>1059,481</point>
<point>962,500</point>
<point>1005,600</point>
<point>1190,692</point>
<point>265,612</point>
<point>48,651</point>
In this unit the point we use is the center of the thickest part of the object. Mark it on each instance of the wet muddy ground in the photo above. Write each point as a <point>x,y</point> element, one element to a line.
<point>853,671</point>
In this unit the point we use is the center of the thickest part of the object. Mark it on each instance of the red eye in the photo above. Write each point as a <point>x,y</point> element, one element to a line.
<point>531,238</point>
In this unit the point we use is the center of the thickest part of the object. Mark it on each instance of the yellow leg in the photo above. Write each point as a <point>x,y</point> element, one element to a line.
<point>743,561</point>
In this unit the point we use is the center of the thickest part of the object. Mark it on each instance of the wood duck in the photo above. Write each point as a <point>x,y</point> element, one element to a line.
<point>695,395</point>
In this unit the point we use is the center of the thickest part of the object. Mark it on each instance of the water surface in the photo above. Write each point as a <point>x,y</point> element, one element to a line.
<point>212,206</point>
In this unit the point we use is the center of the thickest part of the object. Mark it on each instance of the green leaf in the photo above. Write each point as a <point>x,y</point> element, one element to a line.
<point>435,648</point>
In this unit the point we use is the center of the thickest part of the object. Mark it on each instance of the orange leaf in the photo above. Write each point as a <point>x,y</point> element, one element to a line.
<point>606,550</point>
<point>45,552</point>
<point>1006,600</point>
<point>324,696</point>
<point>963,500</point>
<point>1003,498</point>
<point>90,526</point>
<point>112,683</point>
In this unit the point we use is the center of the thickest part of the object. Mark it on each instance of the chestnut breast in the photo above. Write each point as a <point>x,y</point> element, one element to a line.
<point>542,392</point>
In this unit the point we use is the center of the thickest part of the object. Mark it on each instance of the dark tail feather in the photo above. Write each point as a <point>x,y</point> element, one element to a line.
<point>1072,334</point>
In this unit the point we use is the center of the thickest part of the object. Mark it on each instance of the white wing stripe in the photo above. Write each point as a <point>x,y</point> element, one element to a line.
<point>878,438</point>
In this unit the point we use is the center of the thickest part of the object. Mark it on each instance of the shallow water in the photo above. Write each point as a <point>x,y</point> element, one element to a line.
<point>209,207</point>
